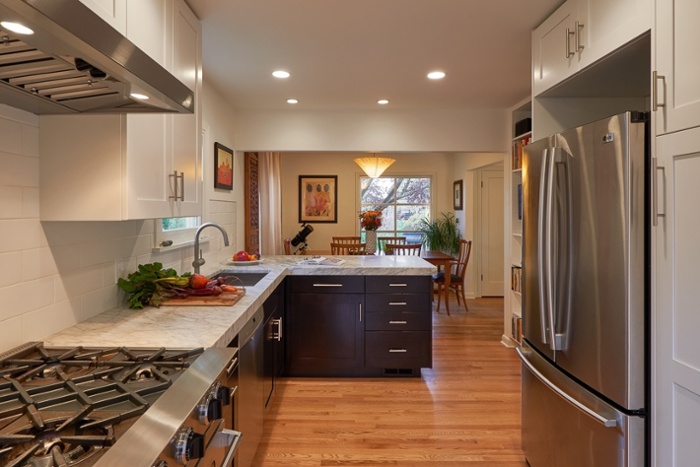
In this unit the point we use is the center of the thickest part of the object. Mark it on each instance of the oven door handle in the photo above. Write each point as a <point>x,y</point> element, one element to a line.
<point>234,446</point>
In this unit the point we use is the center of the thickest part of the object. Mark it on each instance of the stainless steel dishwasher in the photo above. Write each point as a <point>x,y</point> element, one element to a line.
<point>250,395</point>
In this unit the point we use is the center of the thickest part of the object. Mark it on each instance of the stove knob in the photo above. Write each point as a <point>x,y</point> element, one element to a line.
<point>188,445</point>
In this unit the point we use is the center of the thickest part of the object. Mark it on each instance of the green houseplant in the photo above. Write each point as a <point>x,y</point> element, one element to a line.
<point>441,234</point>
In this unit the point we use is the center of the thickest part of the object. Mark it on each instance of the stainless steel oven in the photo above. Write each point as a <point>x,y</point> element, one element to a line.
<point>136,407</point>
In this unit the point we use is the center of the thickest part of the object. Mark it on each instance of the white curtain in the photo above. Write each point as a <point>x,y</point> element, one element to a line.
<point>270,203</point>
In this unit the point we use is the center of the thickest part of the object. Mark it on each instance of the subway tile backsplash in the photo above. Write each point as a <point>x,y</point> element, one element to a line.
<point>56,274</point>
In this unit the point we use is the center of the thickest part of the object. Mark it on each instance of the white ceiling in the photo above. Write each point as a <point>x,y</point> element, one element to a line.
<point>347,54</point>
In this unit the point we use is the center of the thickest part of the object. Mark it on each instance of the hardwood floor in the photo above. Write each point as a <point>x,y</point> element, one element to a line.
<point>465,411</point>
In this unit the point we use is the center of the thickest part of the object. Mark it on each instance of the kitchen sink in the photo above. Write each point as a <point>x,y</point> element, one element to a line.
<point>240,278</point>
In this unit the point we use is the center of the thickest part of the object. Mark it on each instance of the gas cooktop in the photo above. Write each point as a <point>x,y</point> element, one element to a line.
<point>67,406</point>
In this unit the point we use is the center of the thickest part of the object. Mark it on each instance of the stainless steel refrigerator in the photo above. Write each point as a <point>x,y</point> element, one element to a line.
<point>585,387</point>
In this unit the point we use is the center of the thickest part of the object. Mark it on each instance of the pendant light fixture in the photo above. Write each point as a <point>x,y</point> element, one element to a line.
<point>374,166</point>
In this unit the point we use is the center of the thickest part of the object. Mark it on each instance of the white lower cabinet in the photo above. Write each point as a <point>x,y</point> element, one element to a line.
<point>677,83</point>
<point>675,344</point>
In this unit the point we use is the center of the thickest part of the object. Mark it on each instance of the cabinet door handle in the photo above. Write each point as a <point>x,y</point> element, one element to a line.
<point>579,42</point>
<point>655,191</point>
<point>655,77</point>
<point>569,33</point>
<point>398,285</point>
<point>398,351</point>
<point>360,312</point>
<point>179,193</point>
<point>277,335</point>
<point>328,285</point>
<point>397,322</point>
<point>397,303</point>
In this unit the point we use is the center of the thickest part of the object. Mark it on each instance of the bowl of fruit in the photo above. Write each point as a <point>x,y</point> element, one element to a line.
<point>243,258</point>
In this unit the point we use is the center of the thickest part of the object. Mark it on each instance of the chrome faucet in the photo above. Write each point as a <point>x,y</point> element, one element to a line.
<point>198,258</point>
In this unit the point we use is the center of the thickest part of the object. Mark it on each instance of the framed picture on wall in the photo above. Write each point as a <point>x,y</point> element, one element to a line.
<point>318,196</point>
<point>457,195</point>
<point>223,167</point>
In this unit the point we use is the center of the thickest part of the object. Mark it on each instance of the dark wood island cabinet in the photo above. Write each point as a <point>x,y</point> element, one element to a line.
<point>358,325</point>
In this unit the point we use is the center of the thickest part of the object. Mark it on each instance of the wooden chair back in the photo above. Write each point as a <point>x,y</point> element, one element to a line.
<point>348,239</point>
<point>383,241</point>
<point>403,250</point>
<point>465,249</point>
<point>347,248</point>
<point>287,246</point>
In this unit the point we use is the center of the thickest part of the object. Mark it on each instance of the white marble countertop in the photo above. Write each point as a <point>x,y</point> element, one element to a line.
<point>216,326</point>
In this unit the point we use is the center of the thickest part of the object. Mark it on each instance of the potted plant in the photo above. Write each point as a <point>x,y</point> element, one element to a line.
<point>441,234</point>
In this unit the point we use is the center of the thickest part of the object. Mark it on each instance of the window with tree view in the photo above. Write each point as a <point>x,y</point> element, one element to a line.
<point>403,201</point>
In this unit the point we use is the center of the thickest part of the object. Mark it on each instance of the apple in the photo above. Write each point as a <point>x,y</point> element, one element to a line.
<point>241,256</point>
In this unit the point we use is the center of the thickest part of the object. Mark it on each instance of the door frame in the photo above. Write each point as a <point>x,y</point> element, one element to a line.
<point>478,221</point>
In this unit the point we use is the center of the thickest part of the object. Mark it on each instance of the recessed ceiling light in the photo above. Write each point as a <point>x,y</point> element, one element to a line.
<point>436,74</point>
<point>281,74</point>
<point>383,101</point>
<point>292,101</point>
<point>139,96</point>
<point>16,27</point>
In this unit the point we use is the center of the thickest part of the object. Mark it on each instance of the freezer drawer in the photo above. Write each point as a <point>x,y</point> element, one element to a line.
<point>558,433</point>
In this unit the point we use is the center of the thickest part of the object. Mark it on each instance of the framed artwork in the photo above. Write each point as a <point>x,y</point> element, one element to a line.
<point>457,195</point>
<point>223,167</point>
<point>318,195</point>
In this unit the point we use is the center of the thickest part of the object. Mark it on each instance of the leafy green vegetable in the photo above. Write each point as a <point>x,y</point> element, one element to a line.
<point>151,284</point>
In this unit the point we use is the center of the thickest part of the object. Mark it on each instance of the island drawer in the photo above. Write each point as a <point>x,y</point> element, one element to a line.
<point>408,349</point>
<point>326,284</point>
<point>397,321</point>
<point>398,302</point>
<point>398,284</point>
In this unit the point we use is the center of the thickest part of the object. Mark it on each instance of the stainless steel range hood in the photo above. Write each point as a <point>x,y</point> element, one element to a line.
<point>76,63</point>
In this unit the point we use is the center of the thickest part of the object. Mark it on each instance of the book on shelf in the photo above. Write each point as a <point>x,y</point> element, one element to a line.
<point>517,328</point>
<point>516,279</point>
<point>520,201</point>
<point>322,260</point>
<point>517,156</point>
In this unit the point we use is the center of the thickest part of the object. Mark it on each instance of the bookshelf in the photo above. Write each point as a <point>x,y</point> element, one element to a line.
<point>522,136</point>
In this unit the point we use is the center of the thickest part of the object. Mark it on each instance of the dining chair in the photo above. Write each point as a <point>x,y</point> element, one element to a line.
<point>287,246</point>
<point>349,239</point>
<point>347,248</point>
<point>403,250</point>
<point>457,271</point>
<point>383,241</point>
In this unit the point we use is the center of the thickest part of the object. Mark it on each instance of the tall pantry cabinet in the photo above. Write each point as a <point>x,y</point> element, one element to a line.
<point>676,219</point>
<point>131,166</point>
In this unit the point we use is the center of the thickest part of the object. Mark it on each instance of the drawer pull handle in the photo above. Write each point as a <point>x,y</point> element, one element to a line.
<point>397,303</point>
<point>397,322</point>
<point>398,351</point>
<point>328,285</point>
<point>398,285</point>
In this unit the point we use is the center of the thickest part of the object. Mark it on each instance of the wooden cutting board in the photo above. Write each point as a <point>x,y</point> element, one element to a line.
<point>225,299</point>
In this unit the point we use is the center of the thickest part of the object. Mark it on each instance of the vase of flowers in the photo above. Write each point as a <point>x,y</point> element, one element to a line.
<point>371,221</point>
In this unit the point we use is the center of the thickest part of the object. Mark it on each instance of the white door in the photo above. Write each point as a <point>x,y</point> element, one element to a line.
<point>490,242</point>
<point>677,65</point>
<point>676,321</point>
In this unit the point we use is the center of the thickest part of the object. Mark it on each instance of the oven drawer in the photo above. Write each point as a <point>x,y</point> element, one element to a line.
<point>398,349</point>
<point>397,321</point>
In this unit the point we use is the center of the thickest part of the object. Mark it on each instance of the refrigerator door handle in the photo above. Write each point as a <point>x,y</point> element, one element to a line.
<point>603,420</point>
<point>542,247</point>
<point>548,250</point>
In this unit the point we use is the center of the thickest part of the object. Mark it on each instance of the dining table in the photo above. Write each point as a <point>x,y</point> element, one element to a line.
<point>442,261</point>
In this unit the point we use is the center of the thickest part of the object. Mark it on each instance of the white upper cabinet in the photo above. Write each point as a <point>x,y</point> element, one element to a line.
<point>132,166</point>
<point>112,11</point>
<point>581,32</point>
<point>677,82</point>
